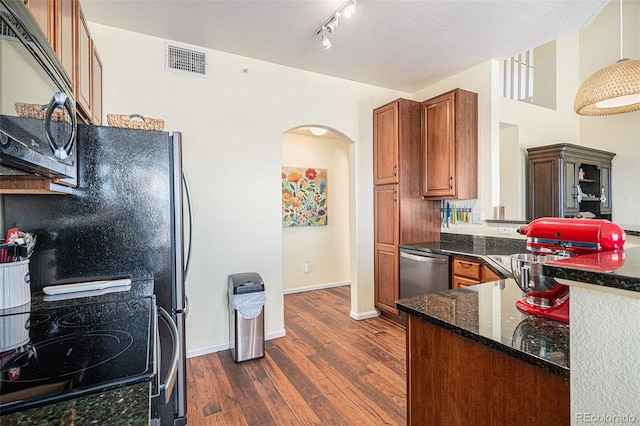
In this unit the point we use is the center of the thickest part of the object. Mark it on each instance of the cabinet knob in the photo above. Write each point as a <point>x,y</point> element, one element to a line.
<point>395,170</point>
<point>450,182</point>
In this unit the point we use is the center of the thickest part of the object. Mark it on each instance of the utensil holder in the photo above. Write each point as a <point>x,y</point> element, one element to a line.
<point>15,284</point>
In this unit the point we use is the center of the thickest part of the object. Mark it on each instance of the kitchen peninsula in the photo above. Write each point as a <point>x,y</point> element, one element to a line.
<point>473,358</point>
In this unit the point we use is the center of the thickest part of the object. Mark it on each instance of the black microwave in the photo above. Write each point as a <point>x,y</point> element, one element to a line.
<point>37,109</point>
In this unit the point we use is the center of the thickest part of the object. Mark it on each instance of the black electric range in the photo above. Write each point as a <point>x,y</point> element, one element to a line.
<point>55,353</point>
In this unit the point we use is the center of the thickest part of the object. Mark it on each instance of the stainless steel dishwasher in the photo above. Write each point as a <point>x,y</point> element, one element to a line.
<point>422,272</point>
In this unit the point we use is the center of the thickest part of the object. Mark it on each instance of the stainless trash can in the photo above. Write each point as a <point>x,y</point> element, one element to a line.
<point>246,316</point>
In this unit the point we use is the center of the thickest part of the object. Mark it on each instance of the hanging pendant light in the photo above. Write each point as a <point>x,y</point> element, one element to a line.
<point>614,89</point>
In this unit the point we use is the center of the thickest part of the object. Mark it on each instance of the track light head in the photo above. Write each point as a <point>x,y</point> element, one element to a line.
<point>330,26</point>
<point>326,43</point>
<point>349,10</point>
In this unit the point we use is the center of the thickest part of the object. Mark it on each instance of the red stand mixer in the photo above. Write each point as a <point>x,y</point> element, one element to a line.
<point>551,239</point>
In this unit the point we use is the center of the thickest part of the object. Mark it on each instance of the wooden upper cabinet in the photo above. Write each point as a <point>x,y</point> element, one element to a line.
<point>65,35</point>
<point>97,88</point>
<point>42,12</point>
<point>450,146</point>
<point>385,143</point>
<point>84,58</point>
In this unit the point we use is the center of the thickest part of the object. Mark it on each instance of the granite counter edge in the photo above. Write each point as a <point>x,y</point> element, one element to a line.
<point>538,362</point>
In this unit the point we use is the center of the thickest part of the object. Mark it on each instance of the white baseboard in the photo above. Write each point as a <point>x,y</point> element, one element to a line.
<point>316,287</point>
<point>225,346</point>
<point>365,315</point>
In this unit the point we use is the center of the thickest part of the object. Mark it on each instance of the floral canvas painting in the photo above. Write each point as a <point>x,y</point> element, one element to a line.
<point>304,197</point>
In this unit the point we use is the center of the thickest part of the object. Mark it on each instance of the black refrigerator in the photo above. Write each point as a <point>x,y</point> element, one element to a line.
<point>125,219</point>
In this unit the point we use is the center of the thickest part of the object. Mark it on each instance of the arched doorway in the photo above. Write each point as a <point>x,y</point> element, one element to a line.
<point>316,257</point>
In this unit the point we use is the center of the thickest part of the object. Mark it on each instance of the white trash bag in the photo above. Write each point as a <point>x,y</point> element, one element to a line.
<point>249,305</point>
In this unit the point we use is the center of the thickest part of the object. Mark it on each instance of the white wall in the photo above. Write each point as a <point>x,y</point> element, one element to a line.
<point>511,176</point>
<point>604,353</point>
<point>326,247</point>
<point>232,127</point>
<point>599,47</point>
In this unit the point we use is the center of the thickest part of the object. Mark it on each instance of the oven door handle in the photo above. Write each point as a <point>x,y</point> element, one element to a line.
<point>166,386</point>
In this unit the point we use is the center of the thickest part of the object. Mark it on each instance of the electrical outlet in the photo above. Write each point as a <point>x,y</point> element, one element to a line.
<point>477,218</point>
<point>507,230</point>
<point>307,265</point>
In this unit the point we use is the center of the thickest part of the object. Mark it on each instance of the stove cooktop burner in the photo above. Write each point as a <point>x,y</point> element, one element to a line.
<point>86,316</point>
<point>76,350</point>
<point>36,319</point>
<point>80,352</point>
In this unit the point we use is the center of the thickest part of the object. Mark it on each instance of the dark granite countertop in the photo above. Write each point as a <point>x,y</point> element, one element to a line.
<point>487,314</point>
<point>619,270</point>
<point>473,245</point>
<point>128,405</point>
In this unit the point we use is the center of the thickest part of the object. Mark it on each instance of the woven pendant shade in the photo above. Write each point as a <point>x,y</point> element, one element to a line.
<point>621,79</point>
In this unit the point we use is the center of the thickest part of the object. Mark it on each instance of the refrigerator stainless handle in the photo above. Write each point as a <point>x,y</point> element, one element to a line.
<point>185,311</point>
<point>187,193</point>
<point>423,258</point>
<point>166,387</point>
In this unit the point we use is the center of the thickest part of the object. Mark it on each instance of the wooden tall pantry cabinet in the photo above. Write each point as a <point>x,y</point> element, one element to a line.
<point>401,215</point>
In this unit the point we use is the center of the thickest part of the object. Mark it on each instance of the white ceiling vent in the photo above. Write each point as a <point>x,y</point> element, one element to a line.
<point>185,59</point>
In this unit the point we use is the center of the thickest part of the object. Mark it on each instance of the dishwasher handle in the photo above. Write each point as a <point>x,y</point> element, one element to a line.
<point>424,257</point>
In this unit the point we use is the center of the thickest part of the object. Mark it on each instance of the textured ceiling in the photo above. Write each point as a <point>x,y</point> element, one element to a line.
<point>402,45</point>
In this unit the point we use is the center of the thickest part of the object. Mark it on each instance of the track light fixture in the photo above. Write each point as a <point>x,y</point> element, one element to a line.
<point>347,10</point>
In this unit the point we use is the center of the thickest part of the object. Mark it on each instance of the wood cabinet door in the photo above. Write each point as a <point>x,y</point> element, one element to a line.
<point>386,236</point>
<point>386,215</point>
<point>605,189</point>
<point>97,88</point>
<point>385,144</point>
<point>438,148</point>
<point>569,195</point>
<point>387,285</point>
<point>543,186</point>
<point>83,67</point>
<point>65,35</point>
<point>42,12</point>
<point>489,275</point>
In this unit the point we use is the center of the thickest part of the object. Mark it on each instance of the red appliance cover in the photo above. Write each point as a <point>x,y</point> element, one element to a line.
<point>578,236</point>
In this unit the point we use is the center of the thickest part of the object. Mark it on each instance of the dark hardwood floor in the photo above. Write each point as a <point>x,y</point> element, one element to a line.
<point>328,370</point>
